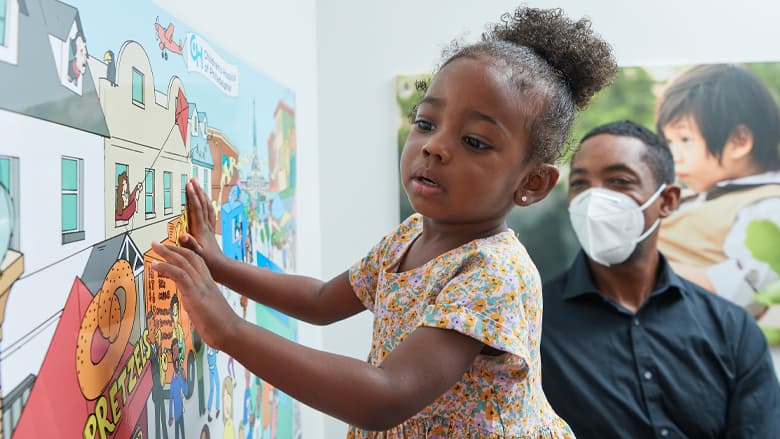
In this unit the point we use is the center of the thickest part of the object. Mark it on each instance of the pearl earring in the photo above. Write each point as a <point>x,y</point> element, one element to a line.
<point>524,198</point>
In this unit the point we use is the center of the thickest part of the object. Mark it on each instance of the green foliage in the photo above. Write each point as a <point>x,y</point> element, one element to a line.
<point>629,97</point>
<point>763,240</point>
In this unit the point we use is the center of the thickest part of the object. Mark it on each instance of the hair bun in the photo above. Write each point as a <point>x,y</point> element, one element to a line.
<point>580,57</point>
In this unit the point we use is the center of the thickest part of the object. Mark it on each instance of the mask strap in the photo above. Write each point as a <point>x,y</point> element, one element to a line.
<point>657,221</point>
<point>648,231</point>
<point>653,197</point>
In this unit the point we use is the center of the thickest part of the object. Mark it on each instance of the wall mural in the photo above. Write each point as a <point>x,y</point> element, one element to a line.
<point>107,112</point>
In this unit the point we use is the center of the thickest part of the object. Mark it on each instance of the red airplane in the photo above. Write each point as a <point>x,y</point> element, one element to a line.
<point>165,37</point>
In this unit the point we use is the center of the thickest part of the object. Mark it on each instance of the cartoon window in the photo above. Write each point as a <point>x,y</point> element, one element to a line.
<point>72,205</point>
<point>14,402</point>
<point>9,179</point>
<point>206,181</point>
<point>3,14</point>
<point>195,174</point>
<point>167,203</point>
<point>183,190</point>
<point>195,124</point>
<point>149,193</point>
<point>138,88</point>
<point>9,30</point>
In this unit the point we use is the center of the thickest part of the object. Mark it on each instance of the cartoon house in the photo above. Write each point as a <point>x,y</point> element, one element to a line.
<point>200,151</point>
<point>147,156</point>
<point>48,94</point>
<point>225,174</point>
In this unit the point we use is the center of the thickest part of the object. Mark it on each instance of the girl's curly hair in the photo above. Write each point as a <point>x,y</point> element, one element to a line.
<point>558,64</point>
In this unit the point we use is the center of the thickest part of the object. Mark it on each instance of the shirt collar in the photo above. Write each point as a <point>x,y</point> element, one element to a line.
<point>763,178</point>
<point>579,280</point>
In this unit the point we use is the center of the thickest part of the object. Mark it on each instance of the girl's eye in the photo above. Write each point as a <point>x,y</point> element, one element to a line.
<point>684,139</point>
<point>423,125</point>
<point>475,143</point>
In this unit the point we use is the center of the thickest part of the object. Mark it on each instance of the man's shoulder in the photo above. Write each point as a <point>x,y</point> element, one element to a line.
<point>725,312</point>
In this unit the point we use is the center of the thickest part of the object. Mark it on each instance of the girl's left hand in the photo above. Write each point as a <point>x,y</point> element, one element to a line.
<point>208,310</point>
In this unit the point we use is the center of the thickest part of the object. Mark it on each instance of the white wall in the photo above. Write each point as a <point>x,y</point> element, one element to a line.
<point>362,45</point>
<point>278,38</point>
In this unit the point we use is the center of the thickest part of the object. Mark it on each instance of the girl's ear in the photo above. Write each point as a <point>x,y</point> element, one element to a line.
<point>739,144</point>
<point>536,185</point>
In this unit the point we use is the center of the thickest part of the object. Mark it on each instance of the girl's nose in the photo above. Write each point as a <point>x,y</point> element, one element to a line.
<point>437,147</point>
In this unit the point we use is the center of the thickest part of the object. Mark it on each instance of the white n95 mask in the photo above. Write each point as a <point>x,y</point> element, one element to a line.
<point>609,224</point>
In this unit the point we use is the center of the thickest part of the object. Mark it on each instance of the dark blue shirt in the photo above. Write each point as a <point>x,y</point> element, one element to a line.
<point>687,364</point>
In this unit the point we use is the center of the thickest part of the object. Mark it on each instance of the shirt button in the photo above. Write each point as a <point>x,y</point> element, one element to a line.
<point>648,375</point>
<point>664,432</point>
<point>636,322</point>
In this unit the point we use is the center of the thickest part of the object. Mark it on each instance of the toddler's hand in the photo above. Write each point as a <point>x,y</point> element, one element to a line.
<point>201,225</point>
<point>208,310</point>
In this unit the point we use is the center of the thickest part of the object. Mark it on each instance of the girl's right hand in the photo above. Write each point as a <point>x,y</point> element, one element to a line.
<point>201,226</point>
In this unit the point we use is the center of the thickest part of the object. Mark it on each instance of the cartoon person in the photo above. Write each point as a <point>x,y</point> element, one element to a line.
<point>723,127</point>
<point>126,201</point>
<point>248,419</point>
<point>178,331</point>
<point>211,358</point>
<point>270,410</point>
<point>176,405</point>
<point>77,60</point>
<point>227,408</point>
<point>157,358</point>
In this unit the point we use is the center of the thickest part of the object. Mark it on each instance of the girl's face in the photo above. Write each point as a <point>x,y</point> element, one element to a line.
<point>462,161</point>
<point>693,163</point>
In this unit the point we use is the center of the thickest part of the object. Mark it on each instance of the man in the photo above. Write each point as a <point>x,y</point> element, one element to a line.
<point>630,349</point>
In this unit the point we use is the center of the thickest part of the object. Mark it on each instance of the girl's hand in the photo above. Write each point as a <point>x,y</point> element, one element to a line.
<point>202,222</point>
<point>208,310</point>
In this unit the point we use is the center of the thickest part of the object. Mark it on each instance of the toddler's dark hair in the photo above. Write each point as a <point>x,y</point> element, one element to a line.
<point>720,97</point>
<point>557,64</point>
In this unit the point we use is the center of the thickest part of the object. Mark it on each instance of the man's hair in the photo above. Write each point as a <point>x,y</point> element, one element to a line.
<point>720,97</point>
<point>657,153</point>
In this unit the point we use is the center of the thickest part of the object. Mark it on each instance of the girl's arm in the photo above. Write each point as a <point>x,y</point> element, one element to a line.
<point>304,298</point>
<point>415,373</point>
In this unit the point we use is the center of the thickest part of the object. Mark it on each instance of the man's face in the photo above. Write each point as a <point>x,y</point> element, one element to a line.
<point>175,313</point>
<point>615,162</point>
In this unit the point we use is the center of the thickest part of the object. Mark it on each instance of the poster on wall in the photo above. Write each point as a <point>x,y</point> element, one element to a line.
<point>106,114</point>
<point>726,233</point>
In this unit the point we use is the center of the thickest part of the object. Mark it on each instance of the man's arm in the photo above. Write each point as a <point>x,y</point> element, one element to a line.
<point>754,406</point>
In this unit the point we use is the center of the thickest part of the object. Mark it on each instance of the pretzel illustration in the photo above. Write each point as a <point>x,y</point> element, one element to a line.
<point>104,318</point>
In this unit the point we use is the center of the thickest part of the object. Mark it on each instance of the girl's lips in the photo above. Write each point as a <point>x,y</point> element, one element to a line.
<point>426,187</point>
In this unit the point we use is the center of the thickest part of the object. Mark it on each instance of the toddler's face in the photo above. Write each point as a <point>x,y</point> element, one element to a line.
<point>693,163</point>
<point>462,161</point>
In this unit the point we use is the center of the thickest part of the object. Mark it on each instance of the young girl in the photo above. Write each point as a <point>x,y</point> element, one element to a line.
<point>456,298</point>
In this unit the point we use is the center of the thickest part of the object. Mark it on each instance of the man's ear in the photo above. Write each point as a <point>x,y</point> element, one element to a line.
<point>739,144</point>
<point>537,184</point>
<point>670,199</point>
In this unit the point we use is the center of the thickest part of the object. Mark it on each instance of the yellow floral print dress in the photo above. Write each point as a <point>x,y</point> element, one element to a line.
<point>488,289</point>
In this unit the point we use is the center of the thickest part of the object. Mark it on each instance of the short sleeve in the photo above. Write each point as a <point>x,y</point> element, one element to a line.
<point>364,274</point>
<point>485,302</point>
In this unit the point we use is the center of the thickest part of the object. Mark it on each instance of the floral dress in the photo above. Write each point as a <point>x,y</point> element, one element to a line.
<point>488,289</point>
